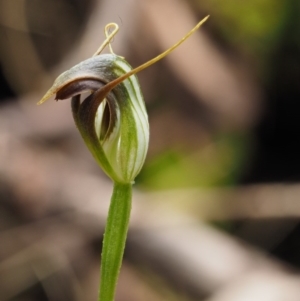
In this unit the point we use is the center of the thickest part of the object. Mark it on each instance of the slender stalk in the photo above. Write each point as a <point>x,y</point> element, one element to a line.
<point>114,240</point>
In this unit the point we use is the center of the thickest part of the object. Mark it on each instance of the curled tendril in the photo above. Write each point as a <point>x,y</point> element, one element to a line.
<point>109,37</point>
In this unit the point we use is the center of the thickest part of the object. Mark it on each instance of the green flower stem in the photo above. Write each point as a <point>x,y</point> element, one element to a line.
<point>114,240</point>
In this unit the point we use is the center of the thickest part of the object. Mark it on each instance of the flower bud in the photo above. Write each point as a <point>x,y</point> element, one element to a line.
<point>112,122</point>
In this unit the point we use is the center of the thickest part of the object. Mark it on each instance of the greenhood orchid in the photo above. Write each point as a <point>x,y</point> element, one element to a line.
<point>113,122</point>
<point>114,125</point>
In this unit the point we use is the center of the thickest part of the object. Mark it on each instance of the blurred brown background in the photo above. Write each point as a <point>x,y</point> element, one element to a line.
<point>216,207</point>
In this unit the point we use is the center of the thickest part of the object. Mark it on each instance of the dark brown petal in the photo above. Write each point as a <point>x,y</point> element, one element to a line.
<point>77,87</point>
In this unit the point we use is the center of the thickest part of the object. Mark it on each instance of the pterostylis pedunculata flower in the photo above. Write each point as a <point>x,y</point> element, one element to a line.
<point>113,122</point>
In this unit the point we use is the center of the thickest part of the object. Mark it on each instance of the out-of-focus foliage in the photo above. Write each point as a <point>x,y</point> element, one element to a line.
<point>216,164</point>
<point>253,26</point>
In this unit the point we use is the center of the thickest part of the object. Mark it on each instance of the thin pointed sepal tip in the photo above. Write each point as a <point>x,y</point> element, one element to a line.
<point>45,97</point>
<point>41,101</point>
<point>203,20</point>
